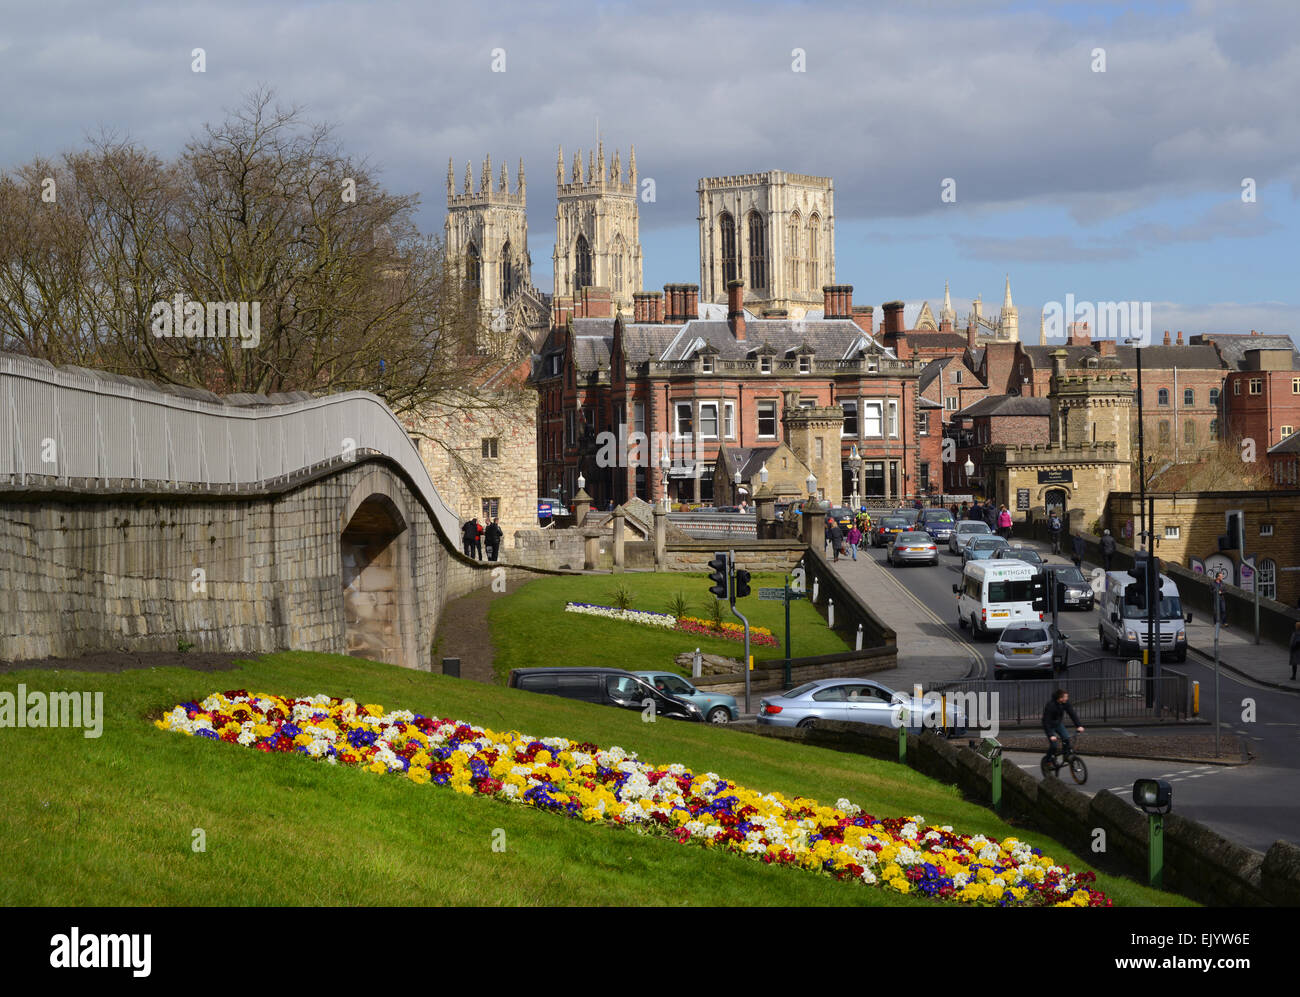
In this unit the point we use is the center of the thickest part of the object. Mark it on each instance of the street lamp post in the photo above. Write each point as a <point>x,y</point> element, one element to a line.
<point>736,495</point>
<point>855,464</point>
<point>1142,464</point>
<point>664,465</point>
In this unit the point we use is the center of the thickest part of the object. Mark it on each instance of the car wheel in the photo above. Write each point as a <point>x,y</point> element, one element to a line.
<point>807,723</point>
<point>974,627</point>
<point>719,715</point>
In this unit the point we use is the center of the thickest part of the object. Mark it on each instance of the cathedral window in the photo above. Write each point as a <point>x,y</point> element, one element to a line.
<point>617,264</point>
<point>730,263</point>
<point>473,267</point>
<point>582,264</point>
<point>814,272</point>
<point>792,252</point>
<point>507,285</point>
<point>757,251</point>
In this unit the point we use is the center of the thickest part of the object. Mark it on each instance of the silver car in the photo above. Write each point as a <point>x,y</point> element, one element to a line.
<point>854,701</point>
<point>913,548</point>
<point>1033,648</point>
<point>964,532</point>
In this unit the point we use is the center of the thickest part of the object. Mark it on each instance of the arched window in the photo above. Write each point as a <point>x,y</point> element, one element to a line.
<point>582,264</point>
<point>1268,578</point>
<point>792,275</point>
<point>757,251</point>
<point>507,272</point>
<point>473,267</point>
<point>814,250</point>
<point>616,264</point>
<point>1162,396</point>
<point>730,263</point>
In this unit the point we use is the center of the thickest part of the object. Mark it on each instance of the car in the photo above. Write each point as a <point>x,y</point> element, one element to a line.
<point>718,708</point>
<point>1026,554</point>
<point>936,522</point>
<point>883,533</point>
<point>1073,591</point>
<point>908,514</point>
<point>854,701</point>
<point>913,548</point>
<point>962,533</point>
<point>1034,647</point>
<point>842,515</point>
<point>606,686</point>
<point>982,548</point>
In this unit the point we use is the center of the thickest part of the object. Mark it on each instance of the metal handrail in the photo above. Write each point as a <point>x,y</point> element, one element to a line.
<point>78,425</point>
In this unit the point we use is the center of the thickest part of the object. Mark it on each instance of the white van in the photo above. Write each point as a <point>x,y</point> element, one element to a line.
<point>994,595</point>
<point>1125,627</point>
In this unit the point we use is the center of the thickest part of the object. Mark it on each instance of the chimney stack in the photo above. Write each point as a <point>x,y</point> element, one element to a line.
<point>837,301</point>
<point>690,301</point>
<point>1253,332</point>
<point>736,309</point>
<point>864,316</point>
<point>1166,337</point>
<point>1180,337</point>
<point>893,318</point>
<point>641,306</point>
<point>1106,347</point>
<point>672,303</point>
<point>971,331</point>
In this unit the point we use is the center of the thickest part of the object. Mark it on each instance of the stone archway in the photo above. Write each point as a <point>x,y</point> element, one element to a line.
<point>377,603</point>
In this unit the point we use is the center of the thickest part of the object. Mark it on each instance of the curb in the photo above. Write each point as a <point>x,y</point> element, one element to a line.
<point>1244,674</point>
<point>1147,758</point>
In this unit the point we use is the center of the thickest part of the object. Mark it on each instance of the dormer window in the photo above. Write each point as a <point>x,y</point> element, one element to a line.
<point>805,364</point>
<point>706,365</point>
<point>765,365</point>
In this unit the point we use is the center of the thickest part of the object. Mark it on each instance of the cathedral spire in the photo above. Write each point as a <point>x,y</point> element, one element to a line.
<point>1006,297</point>
<point>577,167</point>
<point>947,298</point>
<point>502,184</point>
<point>600,163</point>
<point>451,178</point>
<point>469,176</point>
<point>485,178</point>
<point>591,164</point>
<point>616,174</point>
<point>520,189</point>
<point>559,164</point>
<point>631,169</point>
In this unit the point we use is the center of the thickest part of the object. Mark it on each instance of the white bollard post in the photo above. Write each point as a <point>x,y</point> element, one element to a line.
<point>696,664</point>
<point>815,582</point>
<point>830,613</point>
<point>859,647</point>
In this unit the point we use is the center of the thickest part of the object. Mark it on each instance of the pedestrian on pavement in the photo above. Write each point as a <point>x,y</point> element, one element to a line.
<point>467,533</point>
<point>1295,650</point>
<point>1054,528</point>
<point>1004,523</point>
<point>837,539</point>
<point>1107,548</point>
<point>965,511</point>
<point>492,536</point>
<point>855,538</point>
<point>478,539</point>
<point>827,532</point>
<point>1078,544</point>
<point>975,513</point>
<point>1220,602</point>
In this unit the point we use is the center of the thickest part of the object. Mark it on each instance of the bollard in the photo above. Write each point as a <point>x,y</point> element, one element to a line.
<point>1156,850</point>
<point>814,598</point>
<point>696,664</point>
<point>1196,698</point>
<point>902,744</point>
<point>830,613</point>
<point>859,647</point>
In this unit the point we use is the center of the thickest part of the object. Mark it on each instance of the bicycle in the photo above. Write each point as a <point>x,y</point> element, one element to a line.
<point>1078,768</point>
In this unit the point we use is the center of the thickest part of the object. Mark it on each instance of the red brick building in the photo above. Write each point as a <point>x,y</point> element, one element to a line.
<point>993,420</point>
<point>1261,391</point>
<point>628,403</point>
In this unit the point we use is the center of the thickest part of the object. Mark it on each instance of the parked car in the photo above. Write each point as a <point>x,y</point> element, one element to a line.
<point>982,548</point>
<point>1073,591</point>
<point>718,708</point>
<point>883,533</point>
<point>964,531</point>
<point>854,701</point>
<point>1016,553</point>
<point>606,686</point>
<point>1030,648</point>
<point>913,548</point>
<point>936,522</point>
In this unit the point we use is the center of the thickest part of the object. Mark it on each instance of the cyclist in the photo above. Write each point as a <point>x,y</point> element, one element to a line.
<point>1053,715</point>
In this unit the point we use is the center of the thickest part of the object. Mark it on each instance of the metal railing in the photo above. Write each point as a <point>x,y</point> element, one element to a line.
<point>91,430</point>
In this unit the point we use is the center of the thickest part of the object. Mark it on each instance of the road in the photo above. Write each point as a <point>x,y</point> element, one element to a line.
<point>1252,804</point>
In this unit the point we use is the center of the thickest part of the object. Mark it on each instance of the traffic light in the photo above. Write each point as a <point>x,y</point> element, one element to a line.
<point>718,570</point>
<point>1038,590</point>
<point>742,584</point>
<point>1136,593</point>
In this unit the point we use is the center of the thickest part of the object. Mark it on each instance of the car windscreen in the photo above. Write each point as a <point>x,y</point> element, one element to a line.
<point>894,524</point>
<point>1024,635</point>
<point>1024,554</point>
<point>674,685</point>
<point>1171,608</point>
<point>1010,590</point>
<point>913,538</point>
<point>802,690</point>
<point>992,543</point>
<point>970,526</point>
<point>938,516</point>
<point>1070,576</point>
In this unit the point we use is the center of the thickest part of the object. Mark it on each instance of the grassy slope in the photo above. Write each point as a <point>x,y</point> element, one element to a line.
<point>530,627</point>
<point>109,821</point>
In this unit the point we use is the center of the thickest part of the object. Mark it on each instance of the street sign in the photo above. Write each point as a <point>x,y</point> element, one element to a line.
<point>776,595</point>
<point>1022,499</point>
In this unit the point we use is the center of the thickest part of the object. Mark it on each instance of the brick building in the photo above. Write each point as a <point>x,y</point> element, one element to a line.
<point>991,421</point>
<point>618,399</point>
<point>1261,392</point>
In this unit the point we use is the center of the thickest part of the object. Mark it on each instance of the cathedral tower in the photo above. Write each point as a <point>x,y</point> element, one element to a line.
<point>597,227</point>
<point>775,231</point>
<point>1009,321</point>
<point>487,232</point>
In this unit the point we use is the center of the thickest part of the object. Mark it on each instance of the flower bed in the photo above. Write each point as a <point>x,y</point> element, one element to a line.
<point>582,781</point>
<point>760,636</point>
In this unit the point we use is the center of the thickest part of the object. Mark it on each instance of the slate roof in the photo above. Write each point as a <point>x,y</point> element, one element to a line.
<point>750,460</point>
<point>1289,445</point>
<point>998,405</point>
<point>932,370</point>
<point>1233,347</point>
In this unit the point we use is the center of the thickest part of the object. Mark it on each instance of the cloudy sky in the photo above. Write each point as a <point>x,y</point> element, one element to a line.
<point>1119,185</point>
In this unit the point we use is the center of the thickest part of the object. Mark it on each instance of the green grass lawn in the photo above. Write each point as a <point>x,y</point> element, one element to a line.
<point>110,820</point>
<point>530,627</point>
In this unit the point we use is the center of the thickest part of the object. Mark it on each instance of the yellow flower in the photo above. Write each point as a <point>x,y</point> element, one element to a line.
<point>419,776</point>
<point>374,711</point>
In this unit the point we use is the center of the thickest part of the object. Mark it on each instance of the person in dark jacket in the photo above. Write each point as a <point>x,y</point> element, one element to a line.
<point>467,534</point>
<point>1053,714</point>
<point>1079,548</point>
<point>492,537</point>
<point>1054,530</point>
<point>1295,651</point>
<point>478,539</point>
<point>1107,549</point>
<point>836,537</point>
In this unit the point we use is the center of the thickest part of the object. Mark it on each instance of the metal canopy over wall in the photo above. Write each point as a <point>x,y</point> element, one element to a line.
<point>92,429</point>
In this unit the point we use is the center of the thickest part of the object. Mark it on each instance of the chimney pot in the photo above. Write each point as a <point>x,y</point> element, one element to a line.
<point>1180,337</point>
<point>736,309</point>
<point>1166,337</point>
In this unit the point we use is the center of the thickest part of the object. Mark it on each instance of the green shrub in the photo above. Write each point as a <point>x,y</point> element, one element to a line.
<point>622,597</point>
<point>678,606</point>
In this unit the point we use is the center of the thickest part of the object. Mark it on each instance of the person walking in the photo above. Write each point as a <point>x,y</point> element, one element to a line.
<point>1004,523</point>
<point>1295,651</point>
<point>1107,549</point>
<point>492,537</point>
<point>855,538</point>
<point>1054,529</point>
<point>478,539</point>
<point>1220,602</point>
<point>965,511</point>
<point>975,512</point>
<point>467,534</point>
<point>1079,548</point>
<point>836,537</point>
